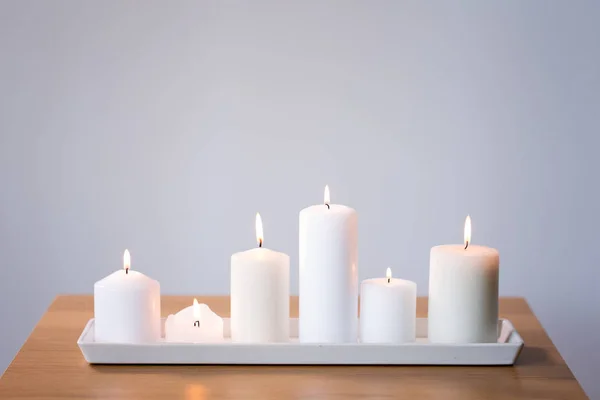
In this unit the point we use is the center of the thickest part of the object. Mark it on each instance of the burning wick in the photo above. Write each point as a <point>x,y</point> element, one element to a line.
<point>467,231</point>
<point>126,261</point>
<point>196,312</point>
<point>259,230</point>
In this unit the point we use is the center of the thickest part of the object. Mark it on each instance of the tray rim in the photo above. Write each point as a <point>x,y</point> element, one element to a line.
<point>504,352</point>
<point>513,339</point>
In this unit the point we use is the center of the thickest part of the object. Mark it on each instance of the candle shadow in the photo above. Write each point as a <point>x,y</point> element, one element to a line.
<point>205,369</point>
<point>532,356</point>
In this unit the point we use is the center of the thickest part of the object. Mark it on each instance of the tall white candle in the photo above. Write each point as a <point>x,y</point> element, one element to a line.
<point>127,307</point>
<point>463,293</point>
<point>388,310</point>
<point>328,274</point>
<point>260,294</point>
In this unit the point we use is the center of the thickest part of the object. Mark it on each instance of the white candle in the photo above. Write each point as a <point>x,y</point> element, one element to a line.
<point>463,293</point>
<point>328,274</point>
<point>260,294</point>
<point>127,307</point>
<point>388,310</point>
<point>194,324</point>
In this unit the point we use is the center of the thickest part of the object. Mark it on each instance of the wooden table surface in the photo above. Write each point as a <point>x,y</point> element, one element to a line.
<point>50,365</point>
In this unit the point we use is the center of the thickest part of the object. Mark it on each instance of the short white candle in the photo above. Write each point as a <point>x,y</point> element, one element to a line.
<point>260,294</point>
<point>463,293</point>
<point>328,273</point>
<point>127,307</point>
<point>388,310</point>
<point>194,324</point>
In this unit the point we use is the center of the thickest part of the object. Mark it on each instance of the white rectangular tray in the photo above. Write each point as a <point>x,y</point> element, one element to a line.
<point>504,352</point>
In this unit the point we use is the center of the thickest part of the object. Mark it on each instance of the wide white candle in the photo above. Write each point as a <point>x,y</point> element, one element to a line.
<point>260,294</point>
<point>127,307</point>
<point>194,324</point>
<point>328,274</point>
<point>388,310</point>
<point>463,293</point>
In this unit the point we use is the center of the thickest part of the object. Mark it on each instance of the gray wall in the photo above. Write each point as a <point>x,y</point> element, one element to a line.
<point>164,128</point>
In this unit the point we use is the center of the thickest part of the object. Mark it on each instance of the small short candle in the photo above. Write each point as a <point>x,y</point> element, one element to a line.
<point>463,292</point>
<point>194,324</point>
<point>388,310</point>
<point>127,307</point>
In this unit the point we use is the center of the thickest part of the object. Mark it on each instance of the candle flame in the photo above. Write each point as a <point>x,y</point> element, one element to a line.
<point>388,274</point>
<point>467,231</point>
<point>126,260</point>
<point>259,230</point>
<point>326,197</point>
<point>196,310</point>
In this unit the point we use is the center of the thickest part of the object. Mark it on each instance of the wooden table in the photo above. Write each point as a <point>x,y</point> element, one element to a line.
<point>50,365</point>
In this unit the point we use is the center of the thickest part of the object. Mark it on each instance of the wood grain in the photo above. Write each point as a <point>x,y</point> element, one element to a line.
<point>50,365</point>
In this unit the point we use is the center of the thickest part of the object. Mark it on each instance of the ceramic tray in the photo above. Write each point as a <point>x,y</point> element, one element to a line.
<point>421,352</point>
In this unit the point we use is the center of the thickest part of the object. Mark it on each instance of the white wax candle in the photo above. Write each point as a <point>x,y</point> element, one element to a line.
<point>127,307</point>
<point>260,294</point>
<point>463,293</point>
<point>328,274</point>
<point>388,310</point>
<point>194,324</point>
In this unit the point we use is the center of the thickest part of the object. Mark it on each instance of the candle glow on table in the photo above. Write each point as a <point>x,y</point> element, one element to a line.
<point>388,310</point>
<point>463,292</point>
<point>127,307</point>
<point>328,280</point>
<point>194,324</point>
<point>260,294</point>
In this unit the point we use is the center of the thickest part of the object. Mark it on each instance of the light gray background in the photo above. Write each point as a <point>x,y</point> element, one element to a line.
<point>164,127</point>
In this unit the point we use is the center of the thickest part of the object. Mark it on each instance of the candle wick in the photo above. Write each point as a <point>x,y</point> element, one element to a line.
<point>260,242</point>
<point>197,323</point>
<point>466,244</point>
<point>126,271</point>
<point>389,280</point>
<point>327,204</point>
